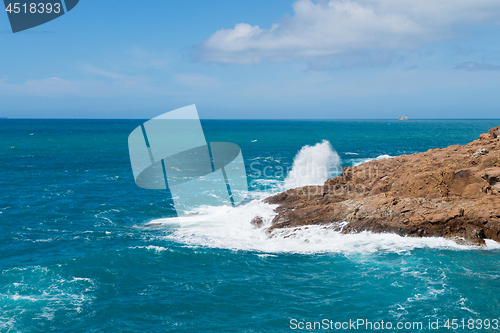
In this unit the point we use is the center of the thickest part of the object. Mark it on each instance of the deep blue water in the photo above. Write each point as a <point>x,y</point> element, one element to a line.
<point>73,260</point>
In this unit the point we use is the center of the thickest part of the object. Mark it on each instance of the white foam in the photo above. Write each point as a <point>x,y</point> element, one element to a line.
<point>230,228</point>
<point>221,227</point>
<point>153,248</point>
<point>364,160</point>
<point>313,165</point>
<point>492,244</point>
<point>46,292</point>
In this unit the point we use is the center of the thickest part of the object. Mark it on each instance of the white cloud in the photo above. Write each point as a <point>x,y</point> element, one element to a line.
<point>53,86</point>
<point>107,74</point>
<point>88,87</point>
<point>475,66</point>
<point>327,29</point>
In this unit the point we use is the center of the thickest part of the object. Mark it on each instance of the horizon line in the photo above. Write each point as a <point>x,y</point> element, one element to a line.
<point>291,119</point>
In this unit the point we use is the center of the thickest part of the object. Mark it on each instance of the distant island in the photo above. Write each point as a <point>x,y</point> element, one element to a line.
<point>452,192</point>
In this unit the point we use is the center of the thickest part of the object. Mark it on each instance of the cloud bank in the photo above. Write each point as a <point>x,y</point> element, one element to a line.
<point>330,29</point>
<point>475,66</point>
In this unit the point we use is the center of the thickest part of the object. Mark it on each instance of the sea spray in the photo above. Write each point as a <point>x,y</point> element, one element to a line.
<point>313,165</point>
<point>226,227</point>
<point>356,162</point>
<point>230,228</point>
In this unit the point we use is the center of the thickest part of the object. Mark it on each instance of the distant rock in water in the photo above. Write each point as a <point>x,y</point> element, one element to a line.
<point>452,192</point>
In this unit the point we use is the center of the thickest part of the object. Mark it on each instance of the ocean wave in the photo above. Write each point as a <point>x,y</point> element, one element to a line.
<point>230,228</point>
<point>270,159</point>
<point>359,161</point>
<point>153,248</point>
<point>313,165</point>
<point>40,293</point>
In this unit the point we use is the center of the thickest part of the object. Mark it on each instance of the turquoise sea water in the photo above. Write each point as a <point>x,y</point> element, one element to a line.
<point>73,259</point>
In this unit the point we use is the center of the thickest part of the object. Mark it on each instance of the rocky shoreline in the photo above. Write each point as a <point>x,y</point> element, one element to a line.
<point>452,192</point>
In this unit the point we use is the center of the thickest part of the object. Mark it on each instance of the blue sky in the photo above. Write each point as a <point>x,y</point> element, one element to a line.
<point>255,59</point>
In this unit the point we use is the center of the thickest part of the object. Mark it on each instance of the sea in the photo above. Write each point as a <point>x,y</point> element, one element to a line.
<point>77,253</point>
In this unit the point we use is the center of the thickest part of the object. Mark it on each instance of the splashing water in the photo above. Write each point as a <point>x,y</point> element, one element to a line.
<point>313,165</point>
<point>230,228</point>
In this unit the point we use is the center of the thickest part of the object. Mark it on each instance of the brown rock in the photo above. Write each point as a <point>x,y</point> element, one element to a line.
<point>257,222</point>
<point>492,176</point>
<point>494,132</point>
<point>452,192</point>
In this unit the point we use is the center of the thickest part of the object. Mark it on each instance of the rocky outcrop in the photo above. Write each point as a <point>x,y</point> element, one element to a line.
<point>452,192</point>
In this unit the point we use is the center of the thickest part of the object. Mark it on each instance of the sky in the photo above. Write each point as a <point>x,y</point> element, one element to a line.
<point>257,59</point>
